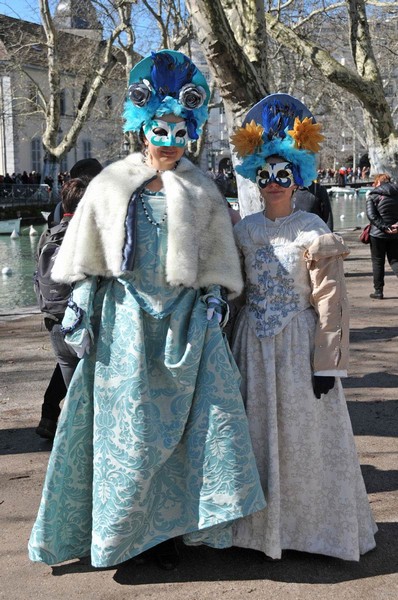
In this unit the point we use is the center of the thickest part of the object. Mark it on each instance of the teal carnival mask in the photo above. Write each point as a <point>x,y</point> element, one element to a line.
<point>163,133</point>
<point>166,82</point>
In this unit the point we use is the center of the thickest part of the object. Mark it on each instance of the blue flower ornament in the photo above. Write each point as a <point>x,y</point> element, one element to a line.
<point>166,82</point>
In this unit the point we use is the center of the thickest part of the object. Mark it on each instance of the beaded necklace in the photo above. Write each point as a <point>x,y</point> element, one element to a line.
<point>147,214</point>
<point>159,172</point>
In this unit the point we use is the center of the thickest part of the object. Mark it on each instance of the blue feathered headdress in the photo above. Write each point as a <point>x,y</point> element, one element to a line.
<point>163,83</point>
<point>278,125</point>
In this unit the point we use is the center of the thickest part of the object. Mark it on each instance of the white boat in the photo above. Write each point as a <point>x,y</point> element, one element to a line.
<point>349,190</point>
<point>342,190</point>
<point>10,225</point>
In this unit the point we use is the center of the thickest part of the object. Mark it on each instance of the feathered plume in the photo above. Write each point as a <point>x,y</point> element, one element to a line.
<point>168,76</point>
<point>276,118</point>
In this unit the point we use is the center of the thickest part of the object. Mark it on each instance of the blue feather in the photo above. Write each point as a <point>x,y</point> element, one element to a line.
<point>277,118</point>
<point>192,125</point>
<point>168,75</point>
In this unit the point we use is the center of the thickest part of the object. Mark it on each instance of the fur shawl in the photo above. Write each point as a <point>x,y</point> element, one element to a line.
<point>201,249</point>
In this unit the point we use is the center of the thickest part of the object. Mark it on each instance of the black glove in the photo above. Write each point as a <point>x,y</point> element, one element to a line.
<point>322,384</point>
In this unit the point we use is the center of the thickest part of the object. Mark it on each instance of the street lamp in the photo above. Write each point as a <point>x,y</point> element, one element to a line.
<point>343,144</point>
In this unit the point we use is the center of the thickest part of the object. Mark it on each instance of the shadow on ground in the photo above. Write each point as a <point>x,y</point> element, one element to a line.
<point>374,417</point>
<point>21,441</point>
<point>372,333</point>
<point>236,564</point>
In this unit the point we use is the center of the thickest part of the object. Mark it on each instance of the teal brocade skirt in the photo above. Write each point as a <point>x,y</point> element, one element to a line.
<point>152,441</point>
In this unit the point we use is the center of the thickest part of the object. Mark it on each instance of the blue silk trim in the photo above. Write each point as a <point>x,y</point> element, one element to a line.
<point>130,225</point>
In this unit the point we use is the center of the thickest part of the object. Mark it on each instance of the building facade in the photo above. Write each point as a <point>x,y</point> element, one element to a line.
<point>24,83</point>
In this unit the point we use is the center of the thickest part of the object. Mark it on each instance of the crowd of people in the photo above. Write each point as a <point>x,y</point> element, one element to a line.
<point>344,175</point>
<point>33,178</point>
<point>170,427</point>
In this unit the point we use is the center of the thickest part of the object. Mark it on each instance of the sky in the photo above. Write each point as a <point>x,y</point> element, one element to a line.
<point>27,10</point>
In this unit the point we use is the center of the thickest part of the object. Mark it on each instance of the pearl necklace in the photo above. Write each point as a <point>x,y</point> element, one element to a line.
<point>147,214</point>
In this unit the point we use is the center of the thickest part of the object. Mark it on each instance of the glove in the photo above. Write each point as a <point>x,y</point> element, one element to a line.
<point>322,384</point>
<point>85,345</point>
<point>81,347</point>
<point>214,308</point>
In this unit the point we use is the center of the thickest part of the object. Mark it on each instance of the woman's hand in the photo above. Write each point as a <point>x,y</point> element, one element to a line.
<point>322,384</point>
<point>214,307</point>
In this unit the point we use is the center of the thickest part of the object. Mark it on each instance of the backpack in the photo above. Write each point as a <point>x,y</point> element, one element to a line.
<point>52,297</point>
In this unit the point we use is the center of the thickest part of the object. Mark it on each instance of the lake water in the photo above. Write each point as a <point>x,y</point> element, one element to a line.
<point>16,290</point>
<point>349,210</point>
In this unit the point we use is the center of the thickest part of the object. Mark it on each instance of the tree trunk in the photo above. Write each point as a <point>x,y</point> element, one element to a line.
<point>51,171</point>
<point>240,79</point>
<point>102,63</point>
<point>232,37</point>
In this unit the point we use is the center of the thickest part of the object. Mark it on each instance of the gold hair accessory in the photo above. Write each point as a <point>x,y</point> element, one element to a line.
<point>247,139</point>
<point>306,134</point>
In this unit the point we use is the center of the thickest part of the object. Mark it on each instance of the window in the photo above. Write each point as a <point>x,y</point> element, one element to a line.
<point>62,102</point>
<point>35,154</point>
<point>87,149</point>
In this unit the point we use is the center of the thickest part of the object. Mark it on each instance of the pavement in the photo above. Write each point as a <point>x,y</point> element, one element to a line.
<point>26,363</point>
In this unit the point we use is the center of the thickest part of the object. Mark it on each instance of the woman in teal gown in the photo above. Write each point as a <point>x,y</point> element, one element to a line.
<point>153,440</point>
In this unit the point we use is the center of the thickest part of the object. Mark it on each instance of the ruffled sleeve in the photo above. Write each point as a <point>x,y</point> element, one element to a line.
<point>324,259</point>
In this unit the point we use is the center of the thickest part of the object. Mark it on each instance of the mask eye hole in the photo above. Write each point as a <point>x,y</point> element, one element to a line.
<point>282,174</point>
<point>181,133</point>
<point>263,174</point>
<point>160,131</point>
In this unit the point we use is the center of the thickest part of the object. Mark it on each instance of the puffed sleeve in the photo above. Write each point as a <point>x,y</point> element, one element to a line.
<point>76,323</point>
<point>324,259</point>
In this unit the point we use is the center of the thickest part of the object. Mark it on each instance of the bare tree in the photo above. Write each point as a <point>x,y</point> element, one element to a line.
<point>103,58</point>
<point>89,65</point>
<point>364,82</point>
<point>232,38</point>
<point>235,51</point>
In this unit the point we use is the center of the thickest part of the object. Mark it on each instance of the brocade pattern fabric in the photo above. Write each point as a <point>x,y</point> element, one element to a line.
<point>153,439</point>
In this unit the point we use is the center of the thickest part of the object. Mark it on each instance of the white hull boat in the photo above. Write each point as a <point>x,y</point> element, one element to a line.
<point>7,226</point>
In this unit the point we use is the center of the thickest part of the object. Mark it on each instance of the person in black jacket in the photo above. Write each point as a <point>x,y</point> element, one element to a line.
<point>314,199</point>
<point>85,169</point>
<point>71,193</point>
<point>382,212</point>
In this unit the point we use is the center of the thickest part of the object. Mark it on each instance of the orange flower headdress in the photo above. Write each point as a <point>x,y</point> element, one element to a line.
<point>278,125</point>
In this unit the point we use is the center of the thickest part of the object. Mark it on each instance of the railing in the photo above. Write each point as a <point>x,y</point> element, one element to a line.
<point>19,194</point>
